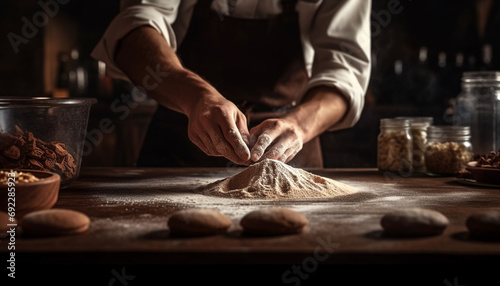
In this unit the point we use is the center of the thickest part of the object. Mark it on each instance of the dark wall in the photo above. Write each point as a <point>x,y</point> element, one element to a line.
<point>23,31</point>
<point>444,27</point>
<point>21,71</point>
<point>93,17</point>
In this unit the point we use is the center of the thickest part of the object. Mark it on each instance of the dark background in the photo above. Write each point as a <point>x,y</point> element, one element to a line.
<point>402,84</point>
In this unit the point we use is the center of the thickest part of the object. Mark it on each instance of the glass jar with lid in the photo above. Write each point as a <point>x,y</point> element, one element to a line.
<point>418,128</point>
<point>448,149</point>
<point>394,146</point>
<point>478,106</point>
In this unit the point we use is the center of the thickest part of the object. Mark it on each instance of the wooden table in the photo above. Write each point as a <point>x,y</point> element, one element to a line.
<point>129,208</point>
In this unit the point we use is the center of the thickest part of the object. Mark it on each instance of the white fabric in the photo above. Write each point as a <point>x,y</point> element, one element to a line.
<point>335,36</point>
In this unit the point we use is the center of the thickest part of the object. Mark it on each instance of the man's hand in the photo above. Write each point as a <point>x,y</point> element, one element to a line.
<point>278,139</point>
<point>216,125</point>
<point>282,138</point>
<point>219,128</point>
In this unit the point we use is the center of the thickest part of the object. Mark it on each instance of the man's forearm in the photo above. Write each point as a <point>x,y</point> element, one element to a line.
<point>215,125</point>
<point>144,49</point>
<point>322,108</point>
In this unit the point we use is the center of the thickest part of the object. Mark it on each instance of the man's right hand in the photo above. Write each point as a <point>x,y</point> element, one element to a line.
<point>219,128</point>
<point>216,125</point>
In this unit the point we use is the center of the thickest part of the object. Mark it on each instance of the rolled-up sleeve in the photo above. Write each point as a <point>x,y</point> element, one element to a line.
<point>340,37</point>
<point>135,13</point>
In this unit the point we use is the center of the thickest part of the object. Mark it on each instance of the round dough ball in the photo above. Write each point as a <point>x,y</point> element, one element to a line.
<point>414,222</point>
<point>198,222</point>
<point>484,224</point>
<point>54,222</point>
<point>4,221</point>
<point>273,221</point>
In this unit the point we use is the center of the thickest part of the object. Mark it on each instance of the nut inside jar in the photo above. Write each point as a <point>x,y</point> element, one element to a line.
<point>448,150</point>
<point>394,146</point>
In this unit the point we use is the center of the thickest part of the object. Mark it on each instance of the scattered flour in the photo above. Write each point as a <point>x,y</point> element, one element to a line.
<point>272,179</point>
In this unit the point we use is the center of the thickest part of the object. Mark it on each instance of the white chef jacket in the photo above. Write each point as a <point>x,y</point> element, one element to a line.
<point>335,36</point>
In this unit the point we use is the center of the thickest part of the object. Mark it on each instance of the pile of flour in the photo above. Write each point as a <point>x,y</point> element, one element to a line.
<point>272,179</point>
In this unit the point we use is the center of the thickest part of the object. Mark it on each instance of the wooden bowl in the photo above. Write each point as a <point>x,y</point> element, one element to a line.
<point>485,175</point>
<point>31,196</point>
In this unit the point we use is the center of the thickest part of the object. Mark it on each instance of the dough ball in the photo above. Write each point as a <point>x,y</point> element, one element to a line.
<point>414,222</point>
<point>484,224</point>
<point>4,220</point>
<point>273,221</point>
<point>54,222</point>
<point>198,222</point>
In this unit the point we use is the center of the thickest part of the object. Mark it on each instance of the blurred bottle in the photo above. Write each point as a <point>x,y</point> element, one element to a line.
<point>105,82</point>
<point>398,67</point>
<point>396,84</point>
<point>459,61</point>
<point>442,57</point>
<point>78,76</point>
<point>62,86</point>
<point>423,79</point>
<point>458,71</point>
<point>99,83</point>
<point>448,85</point>
<point>487,55</point>
<point>423,54</point>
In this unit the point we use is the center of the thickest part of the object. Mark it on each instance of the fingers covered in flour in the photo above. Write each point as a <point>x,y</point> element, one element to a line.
<point>220,130</point>
<point>227,143</point>
<point>236,134</point>
<point>284,149</point>
<point>275,139</point>
<point>261,144</point>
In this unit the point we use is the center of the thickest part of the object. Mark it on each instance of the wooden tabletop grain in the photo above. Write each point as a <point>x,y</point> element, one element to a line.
<point>129,209</point>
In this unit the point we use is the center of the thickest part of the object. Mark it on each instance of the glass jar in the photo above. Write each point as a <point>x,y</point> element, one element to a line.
<point>418,128</point>
<point>478,106</point>
<point>448,149</point>
<point>394,146</point>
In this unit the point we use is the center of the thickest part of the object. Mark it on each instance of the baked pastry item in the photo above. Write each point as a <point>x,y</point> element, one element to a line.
<point>54,222</point>
<point>273,221</point>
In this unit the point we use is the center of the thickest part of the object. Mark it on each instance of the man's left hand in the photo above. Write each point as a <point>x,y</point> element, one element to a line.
<point>278,139</point>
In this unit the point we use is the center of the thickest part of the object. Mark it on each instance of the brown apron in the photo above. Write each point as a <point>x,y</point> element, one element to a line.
<point>256,63</point>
